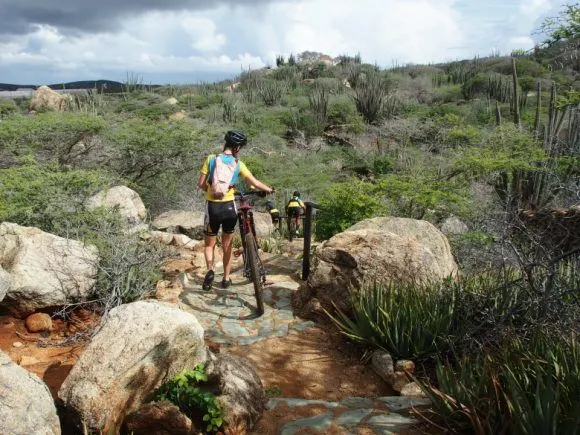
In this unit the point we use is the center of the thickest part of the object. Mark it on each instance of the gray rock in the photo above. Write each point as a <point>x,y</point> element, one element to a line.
<point>5,281</point>
<point>241,390</point>
<point>390,248</point>
<point>190,223</point>
<point>382,363</point>
<point>26,405</point>
<point>139,346</point>
<point>126,201</point>
<point>45,270</point>
<point>453,226</point>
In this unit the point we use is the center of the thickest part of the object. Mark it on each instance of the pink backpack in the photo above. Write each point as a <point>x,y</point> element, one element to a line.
<point>222,177</point>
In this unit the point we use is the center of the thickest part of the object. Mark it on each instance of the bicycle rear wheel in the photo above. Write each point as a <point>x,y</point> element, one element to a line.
<point>291,229</point>
<point>254,266</point>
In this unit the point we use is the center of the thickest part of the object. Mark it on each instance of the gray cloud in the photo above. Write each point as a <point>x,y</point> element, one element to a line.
<point>73,16</point>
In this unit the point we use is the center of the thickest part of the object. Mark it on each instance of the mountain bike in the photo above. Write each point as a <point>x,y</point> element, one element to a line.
<point>253,267</point>
<point>293,225</point>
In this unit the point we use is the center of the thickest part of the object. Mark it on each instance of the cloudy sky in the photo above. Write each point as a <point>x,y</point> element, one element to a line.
<point>187,41</point>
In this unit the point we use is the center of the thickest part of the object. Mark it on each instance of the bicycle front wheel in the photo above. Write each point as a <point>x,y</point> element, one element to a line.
<point>291,229</point>
<point>254,266</point>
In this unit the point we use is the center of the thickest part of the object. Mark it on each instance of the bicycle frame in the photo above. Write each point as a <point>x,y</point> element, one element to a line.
<point>246,224</point>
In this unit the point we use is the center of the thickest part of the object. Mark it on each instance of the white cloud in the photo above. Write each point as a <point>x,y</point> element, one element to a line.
<point>227,40</point>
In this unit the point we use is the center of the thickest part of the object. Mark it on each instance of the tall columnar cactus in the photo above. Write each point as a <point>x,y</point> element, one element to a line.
<point>516,100</point>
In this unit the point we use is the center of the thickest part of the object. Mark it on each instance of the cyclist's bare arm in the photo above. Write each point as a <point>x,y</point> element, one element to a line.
<point>258,184</point>
<point>201,183</point>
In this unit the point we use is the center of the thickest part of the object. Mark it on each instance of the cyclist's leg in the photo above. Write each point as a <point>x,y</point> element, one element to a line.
<point>211,225</point>
<point>229,220</point>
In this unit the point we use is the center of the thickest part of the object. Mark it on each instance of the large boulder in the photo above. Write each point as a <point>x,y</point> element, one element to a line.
<point>45,270</point>
<point>127,202</point>
<point>5,281</point>
<point>382,248</point>
<point>139,346</point>
<point>45,98</point>
<point>240,387</point>
<point>263,224</point>
<point>26,405</point>
<point>190,223</point>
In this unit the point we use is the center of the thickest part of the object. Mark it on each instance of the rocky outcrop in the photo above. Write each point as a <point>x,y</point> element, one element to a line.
<point>26,405</point>
<point>241,390</point>
<point>5,281</point>
<point>127,202</point>
<point>263,224</point>
<point>45,98</point>
<point>45,270</point>
<point>185,222</point>
<point>139,346</point>
<point>382,248</point>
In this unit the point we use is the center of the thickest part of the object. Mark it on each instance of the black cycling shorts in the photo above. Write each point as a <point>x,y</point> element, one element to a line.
<point>275,217</point>
<point>220,214</point>
<point>294,211</point>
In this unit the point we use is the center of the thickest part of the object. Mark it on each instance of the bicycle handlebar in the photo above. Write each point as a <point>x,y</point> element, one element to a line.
<point>258,193</point>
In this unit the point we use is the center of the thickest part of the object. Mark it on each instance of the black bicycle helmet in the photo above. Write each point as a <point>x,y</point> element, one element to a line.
<point>296,193</point>
<point>235,138</point>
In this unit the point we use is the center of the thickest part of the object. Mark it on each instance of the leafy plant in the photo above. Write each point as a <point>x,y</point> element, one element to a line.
<point>186,391</point>
<point>406,319</point>
<point>343,205</point>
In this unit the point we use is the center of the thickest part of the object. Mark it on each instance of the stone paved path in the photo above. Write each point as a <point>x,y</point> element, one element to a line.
<point>229,317</point>
<point>384,415</point>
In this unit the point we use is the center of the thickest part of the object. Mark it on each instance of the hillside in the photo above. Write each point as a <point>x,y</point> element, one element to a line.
<point>106,85</point>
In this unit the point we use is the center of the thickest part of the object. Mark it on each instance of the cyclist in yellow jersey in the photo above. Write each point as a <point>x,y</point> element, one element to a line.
<point>273,211</point>
<point>294,208</point>
<point>221,211</point>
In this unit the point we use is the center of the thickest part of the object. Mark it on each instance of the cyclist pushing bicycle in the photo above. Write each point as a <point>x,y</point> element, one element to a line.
<point>219,174</point>
<point>294,209</point>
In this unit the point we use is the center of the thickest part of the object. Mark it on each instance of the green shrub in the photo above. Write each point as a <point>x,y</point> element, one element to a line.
<point>49,198</point>
<point>155,112</point>
<point>465,136</point>
<point>50,136</point>
<point>344,205</point>
<point>188,391</point>
<point>447,94</point>
<point>419,196</point>
<point>142,149</point>
<point>342,111</point>
<point>7,108</point>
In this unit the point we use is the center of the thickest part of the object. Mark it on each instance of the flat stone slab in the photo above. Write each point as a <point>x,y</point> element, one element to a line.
<point>351,414</point>
<point>229,316</point>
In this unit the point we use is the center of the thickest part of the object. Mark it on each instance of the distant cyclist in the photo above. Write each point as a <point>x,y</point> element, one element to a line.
<point>295,208</point>
<point>219,174</point>
<point>273,211</point>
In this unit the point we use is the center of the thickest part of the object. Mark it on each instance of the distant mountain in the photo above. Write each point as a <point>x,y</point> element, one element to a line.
<point>101,85</point>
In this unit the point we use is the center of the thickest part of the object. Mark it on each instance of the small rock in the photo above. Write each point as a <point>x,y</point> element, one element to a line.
<point>412,390</point>
<point>398,380</point>
<point>38,322</point>
<point>405,365</point>
<point>17,344</point>
<point>184,241</point>
<point>28,360</point>
<point>382,363</point>
<point>161,237</point>
<point>171,101</point>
